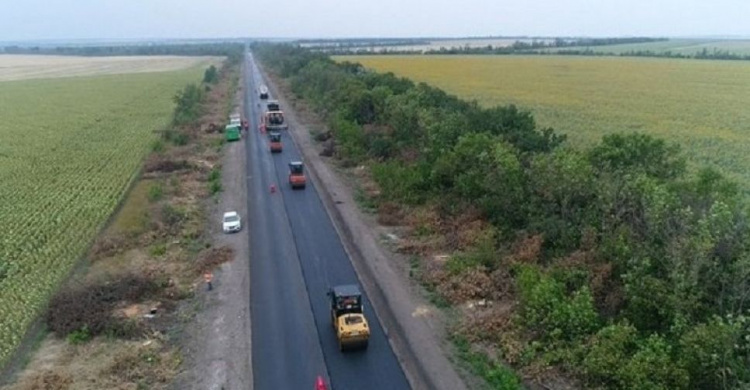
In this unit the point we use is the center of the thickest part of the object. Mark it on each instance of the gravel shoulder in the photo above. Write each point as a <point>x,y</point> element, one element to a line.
<point>217,342</point>
<point>414,327</point>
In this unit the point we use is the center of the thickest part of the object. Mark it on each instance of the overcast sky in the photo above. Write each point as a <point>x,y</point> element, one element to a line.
<point>128,19</point>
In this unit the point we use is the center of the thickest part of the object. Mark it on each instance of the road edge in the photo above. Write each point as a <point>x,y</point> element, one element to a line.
<point>410,336</point>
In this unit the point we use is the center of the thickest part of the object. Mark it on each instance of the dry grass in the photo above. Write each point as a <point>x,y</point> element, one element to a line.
<point>22,67</point>
<point>101,364</point>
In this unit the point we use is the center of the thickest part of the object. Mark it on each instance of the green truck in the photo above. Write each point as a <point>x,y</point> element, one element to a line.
<point>232,132</point>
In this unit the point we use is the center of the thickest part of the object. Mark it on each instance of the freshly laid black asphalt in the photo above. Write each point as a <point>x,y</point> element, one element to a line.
<point>295,255</point>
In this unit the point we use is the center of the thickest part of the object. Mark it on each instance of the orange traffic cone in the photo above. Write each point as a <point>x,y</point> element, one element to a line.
<point>319,384</point>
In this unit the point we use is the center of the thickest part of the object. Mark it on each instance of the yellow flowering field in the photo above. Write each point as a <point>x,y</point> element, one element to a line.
<point>703,105</point>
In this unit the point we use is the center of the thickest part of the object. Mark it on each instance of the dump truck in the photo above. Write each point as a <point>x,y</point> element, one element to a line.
<point>297,175</point>
<point>275,142</point>
<point>348,318</point>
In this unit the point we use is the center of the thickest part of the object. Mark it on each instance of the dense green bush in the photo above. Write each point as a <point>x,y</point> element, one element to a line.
<point>546,307</point>
<point>211,75</point>
<point>188,104</point>
<point>644,273</point>
<point>715,354</point>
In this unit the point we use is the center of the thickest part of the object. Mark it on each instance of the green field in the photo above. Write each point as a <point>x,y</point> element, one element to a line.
<point>703,105</point>
<point>69,148</point>
<point>677,46</point>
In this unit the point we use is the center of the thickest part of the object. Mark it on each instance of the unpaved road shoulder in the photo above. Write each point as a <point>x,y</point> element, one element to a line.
<point>217,342</point>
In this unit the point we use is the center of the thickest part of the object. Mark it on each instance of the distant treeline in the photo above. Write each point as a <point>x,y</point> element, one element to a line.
<point>233,51</point>
<point>518,47</point>
<point>360,42</point>
<point>704,54</point>
<point>580,47</point>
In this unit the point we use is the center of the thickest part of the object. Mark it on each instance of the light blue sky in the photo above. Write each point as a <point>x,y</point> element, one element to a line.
<point>125,19</point>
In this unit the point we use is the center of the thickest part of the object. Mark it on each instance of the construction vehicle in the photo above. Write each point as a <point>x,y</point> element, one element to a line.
<point>297,175</point>
<point>348,318</point>
<point>234,119</point>
<point>232,132</point>
<point>273,105</point>
<point>274,117</point>
<point>275,142</point>
<point>274,121</point>
<point>263,92</point>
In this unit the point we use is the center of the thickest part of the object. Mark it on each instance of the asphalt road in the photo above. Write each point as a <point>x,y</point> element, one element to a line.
<point>295,256</point>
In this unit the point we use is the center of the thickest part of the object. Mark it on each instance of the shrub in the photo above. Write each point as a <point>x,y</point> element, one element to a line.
<point>79,336</point>
<point>548,310</point>
<point>398,181</point>
<point>350,140</point>
<point>214,187</point>
<point>155,192</point>
<point>215,174</point>
<point>176,137</point>
<point>211,75</point>
<point>484,254</point>
<point>157,146</point>
<point>497,375</point>
<point>717,354</point>
<point>651,367</point>
<point>188,105</point>
<point>214,181</point>
<point>618,359</point>
<point>638,152</point>
<point>158,250</point>
<point>172,215</point>
<point>609,350</point>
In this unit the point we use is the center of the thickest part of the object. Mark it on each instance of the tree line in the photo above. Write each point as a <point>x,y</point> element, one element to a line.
<point>642,279</point>
<point>517,47</point>
<point>233,51</point>
<point>581,47</point>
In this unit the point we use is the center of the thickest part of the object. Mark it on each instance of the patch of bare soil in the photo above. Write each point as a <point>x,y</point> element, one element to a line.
<point>119,323</point>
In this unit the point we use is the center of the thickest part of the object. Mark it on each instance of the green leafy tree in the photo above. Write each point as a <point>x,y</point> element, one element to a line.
<point>211,75</point>
<point>716,354</point>
<point>637,152</point>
